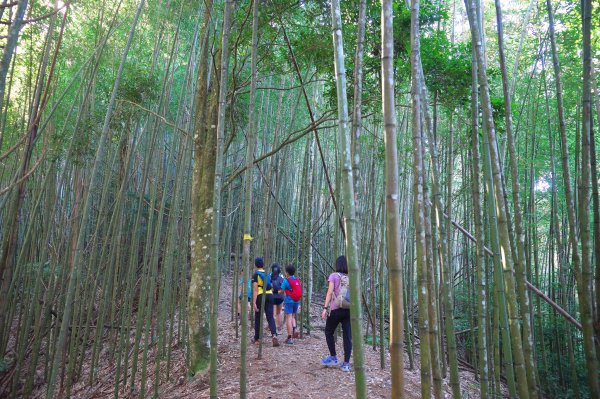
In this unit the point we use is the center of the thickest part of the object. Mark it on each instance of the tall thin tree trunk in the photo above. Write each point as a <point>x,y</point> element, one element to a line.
<point>248,180</point>
<point>481,291</point>
<point>418,204</point>
<point>199,293</point>
<point>596,205</point>
<point>271,220</point>
<point>432,308</point>
<point>513,83</point>
<point>521,276</point>
<point>502,217</point>
<point>392,199</point>
<point>446,255</point>
<point>9,48</point>
<point>358,83</point>
<point>581,268</point>
<point>350,222</point>
<point>216,208</point>
<point>444,259</point>
<point>309,226</point>
<point>584,282</point>
<point>87,210</point>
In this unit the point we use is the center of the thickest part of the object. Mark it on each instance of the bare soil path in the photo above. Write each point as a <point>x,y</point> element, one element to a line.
<point>294,371</point>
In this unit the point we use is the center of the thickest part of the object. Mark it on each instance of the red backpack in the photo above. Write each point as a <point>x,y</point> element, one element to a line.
<point>296,292</point>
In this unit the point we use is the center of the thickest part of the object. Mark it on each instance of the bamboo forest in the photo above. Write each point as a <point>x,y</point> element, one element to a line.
<point>407,190</point>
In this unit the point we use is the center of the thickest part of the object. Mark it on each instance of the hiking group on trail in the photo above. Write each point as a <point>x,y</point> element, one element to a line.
<point>285,293</point>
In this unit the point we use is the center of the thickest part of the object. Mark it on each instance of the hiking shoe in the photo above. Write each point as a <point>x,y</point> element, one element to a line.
<point>289,341</point>
<point>330,361</point>
<point>346,366</point>
<point>296,335</point>
<point>275,342</point>
<point>256,341</point>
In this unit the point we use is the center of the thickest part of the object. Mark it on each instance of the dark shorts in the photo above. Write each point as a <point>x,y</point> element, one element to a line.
<point>277,301</point>
<point>290,308</point>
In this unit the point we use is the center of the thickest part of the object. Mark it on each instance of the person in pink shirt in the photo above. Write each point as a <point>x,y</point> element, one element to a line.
<point>337,282</point>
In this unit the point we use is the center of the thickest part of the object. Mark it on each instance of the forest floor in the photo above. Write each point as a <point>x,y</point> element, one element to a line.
<point>294,371</point>
<point>287,371</point>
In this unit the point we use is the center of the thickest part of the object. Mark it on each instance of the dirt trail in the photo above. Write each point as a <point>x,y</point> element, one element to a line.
<point>286,372</point>
<point>294,371</point>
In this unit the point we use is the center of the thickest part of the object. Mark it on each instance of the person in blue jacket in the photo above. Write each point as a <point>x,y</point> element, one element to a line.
<point>290,306</point>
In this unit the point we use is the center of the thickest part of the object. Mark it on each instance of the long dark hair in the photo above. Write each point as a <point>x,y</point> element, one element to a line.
<point>341,265</point>
<point>275,270</point>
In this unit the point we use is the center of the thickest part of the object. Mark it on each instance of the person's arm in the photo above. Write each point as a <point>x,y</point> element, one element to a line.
<point>327,300</point>
<point>284,286</point>
<point>254,295</point>
<point>254,292</point>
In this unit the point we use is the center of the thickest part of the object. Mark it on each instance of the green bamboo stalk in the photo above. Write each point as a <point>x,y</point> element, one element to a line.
<point>520,247</point>
<point>585,275</point>
<point>482,330</point>
<point>500,211</point>
<point>432,308</point>
<point>218,182</point>
<point>347,193</point>
<point>66,320</point>
<point>418,204</point>
<point>248,178</point>
<point>9,49</point>
<point>581,264</point>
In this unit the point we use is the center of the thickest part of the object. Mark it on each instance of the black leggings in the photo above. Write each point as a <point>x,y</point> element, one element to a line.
<point>268,313</point>
<point>336,317</point>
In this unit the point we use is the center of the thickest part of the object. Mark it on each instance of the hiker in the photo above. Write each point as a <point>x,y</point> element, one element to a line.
<point>276,281</point>
<point>293,292</point>
<point>261,284</point>
<point>249,295</point>
<point>338,297</point>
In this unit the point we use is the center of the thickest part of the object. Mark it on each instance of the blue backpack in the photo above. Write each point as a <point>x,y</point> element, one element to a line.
<point>262,276</point>
<point>249,291</point>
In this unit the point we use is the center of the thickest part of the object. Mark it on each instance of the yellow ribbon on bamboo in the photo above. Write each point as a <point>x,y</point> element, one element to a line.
<point>247,237</point>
